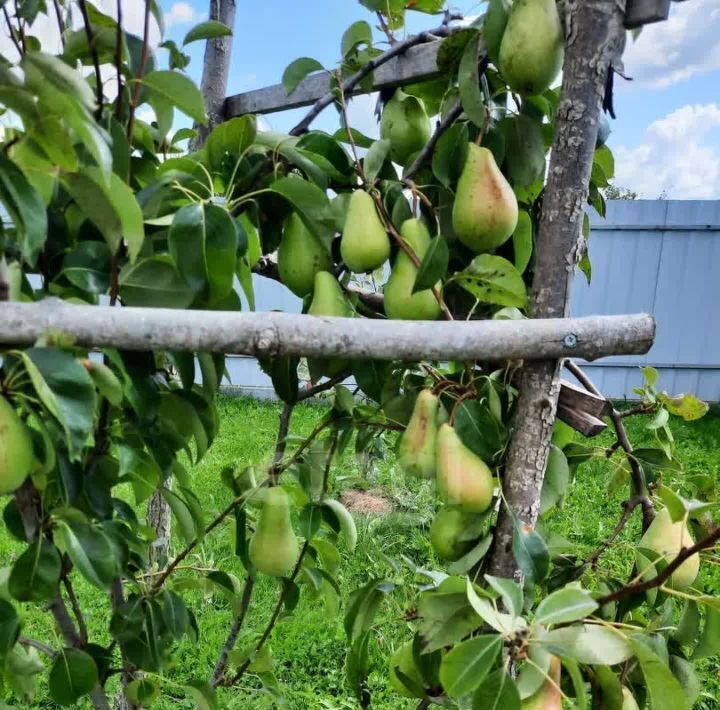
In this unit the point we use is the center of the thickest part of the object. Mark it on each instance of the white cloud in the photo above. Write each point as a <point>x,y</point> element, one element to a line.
<point>688,43</point>
<point>180,13</point>
<point>679,155</point>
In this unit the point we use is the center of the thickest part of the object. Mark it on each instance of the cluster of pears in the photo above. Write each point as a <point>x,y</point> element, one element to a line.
<point>17,458</point>
<point>667,538</point>
<point>532,46</point>
<point>430,449</point>
<point>273,548</point>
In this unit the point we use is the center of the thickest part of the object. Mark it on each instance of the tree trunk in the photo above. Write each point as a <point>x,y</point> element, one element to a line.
<point>159,517</point>
<point>594,39</point>
<point>216,69</point>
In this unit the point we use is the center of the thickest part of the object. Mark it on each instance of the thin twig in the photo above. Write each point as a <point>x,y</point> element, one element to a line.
<point>281,441</point>
<point>77,612</point>
<point>346,123</point>
<point>141,71</point>
<point>60,21</point>
<point>234,633</point>
<point>640,409</point>
<point>665,574</point>
<point>386,30</point>
<point>638,477</point>
<point>39,645</point>
<point>118,60</point>
<point>95,58</point>
<point>351,82</point>
<point>11,31</point>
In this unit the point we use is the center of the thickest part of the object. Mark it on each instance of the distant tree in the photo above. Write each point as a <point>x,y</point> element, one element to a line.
<point>617,192</point>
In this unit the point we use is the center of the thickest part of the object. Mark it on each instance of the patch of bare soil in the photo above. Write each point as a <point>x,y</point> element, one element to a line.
<point>366,502</point>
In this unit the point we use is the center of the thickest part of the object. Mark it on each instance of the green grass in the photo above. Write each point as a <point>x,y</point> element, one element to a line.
<point>309,647</point>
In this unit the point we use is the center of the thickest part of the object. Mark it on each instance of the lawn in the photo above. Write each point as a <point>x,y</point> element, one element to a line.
<point>309,647</point>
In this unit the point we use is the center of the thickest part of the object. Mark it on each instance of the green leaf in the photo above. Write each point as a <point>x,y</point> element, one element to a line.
<point>142,692</point>
<point>479,429</point>
<point>36,573</point>
<point>140,470</point>
<point>497,692</point>
<point>87,266</point>
<point>66,390</point>
<point>522,240</point>
<point>154,281</point>
<point>510,591</point>
<point>493,279</point>
<point>433,266</point>
<point>90,551</point>
<point>467,664</point>
<point>450,154</point>
<point>569,604</point>
<point>530,551</point>
<point>232,138</point>
<point>664,691</point>
<point>362,605</point>
<point>469,82</point>
<point>357,667</point>
<point>210,29</point>
<point>524,150</point>
<point>604,158</point>
<point>283,373</point>
<point>297,71</point>
<point>709,643</point>
<point>72,675</point>
<point>375,158</point>
<point>687,406</point>
<point>345,520</point>
<point>496,19</point>
<point>358,33</point>
<point>183,515</point>
<point>688,626</point>
<point>203,242</point>
<point>309,200</point>
<point>179,90</point>
<point>25,208</point>
<point>471,558</point>
<point>112,208</point>
<point>588,643</point>
<point>684,672</point>
<point>9,627</point>
<point>557,478</point>
<point>42,69</point>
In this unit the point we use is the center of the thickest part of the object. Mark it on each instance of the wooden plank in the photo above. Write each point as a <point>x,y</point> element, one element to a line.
<point>416,64</point>
<point>575,397</point>
<point>276,333</point>
<point>583,422</point>
<point>645,12</point>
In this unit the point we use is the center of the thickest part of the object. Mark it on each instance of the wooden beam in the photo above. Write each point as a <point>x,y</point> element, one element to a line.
<point>276,333</point>
<point>575,397</point>
<point>645,12</point>
<point>416,64</point>
<point>585,423</point>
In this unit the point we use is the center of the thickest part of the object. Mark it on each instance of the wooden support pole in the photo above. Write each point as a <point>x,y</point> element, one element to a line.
<point>595,36</point>
<point>276,333</point>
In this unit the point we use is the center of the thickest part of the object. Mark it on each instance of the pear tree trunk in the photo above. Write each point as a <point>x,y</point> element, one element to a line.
<point>594,40</point>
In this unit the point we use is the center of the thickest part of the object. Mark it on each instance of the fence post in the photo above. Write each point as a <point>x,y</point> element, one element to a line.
<point>594,39</point>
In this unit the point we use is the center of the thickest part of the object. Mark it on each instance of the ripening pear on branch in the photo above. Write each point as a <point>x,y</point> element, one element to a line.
<point>273,548</point>
<point>403,660</point>
<point>548,696</point>
<point>328,300</point>
<point>364,245</point>
<point>532,47</point>
<point>463,478</point>
<point>300,256</point>
<point>16,449</point>
<point>416,452</point>
<point>447,527</point>
<point>400,301</point>
<point>667,539</point>
<point>406,125</point>
<point>485,212</point>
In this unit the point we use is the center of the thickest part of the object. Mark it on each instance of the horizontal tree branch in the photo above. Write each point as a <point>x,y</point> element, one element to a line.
<point>275,333</point>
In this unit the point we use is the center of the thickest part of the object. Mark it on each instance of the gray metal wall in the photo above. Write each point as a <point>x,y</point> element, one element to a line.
<point>659,256</point>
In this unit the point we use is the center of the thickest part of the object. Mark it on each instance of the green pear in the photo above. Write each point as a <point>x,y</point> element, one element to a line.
<point>532,47</point>
<point>629,702</point>
<point>364,245</point>
<point>406,125</point>
<point>548,696</point>
<point>416,451</point>
<point>463,478</point>
<point>16,449</point>
<point>403,660</point>
<point>667,538</point>
<point>300,256</point>
<point>400,301</point>
<point>328,300</point>
<point>447,527</point>
<point>273,548</point>
<point>485,212</point>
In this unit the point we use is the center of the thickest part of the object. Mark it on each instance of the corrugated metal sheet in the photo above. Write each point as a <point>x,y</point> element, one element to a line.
<point>659,256</point>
